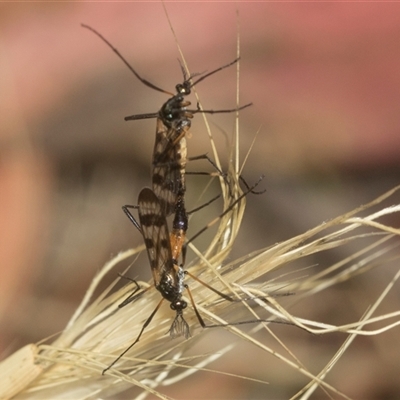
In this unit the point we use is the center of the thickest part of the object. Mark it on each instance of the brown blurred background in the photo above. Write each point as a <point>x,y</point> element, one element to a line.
<point>325,83</point>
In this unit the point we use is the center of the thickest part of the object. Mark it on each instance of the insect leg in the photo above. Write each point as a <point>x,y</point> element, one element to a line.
<point>137,339</point>
<point>204,205</point>
<point>215,220</point>
<point>248,187</point>
<point>230,110</point>
<point>203,324</point>
<point>125,209</point>
<point>134,295</point>
<point>223,295</point>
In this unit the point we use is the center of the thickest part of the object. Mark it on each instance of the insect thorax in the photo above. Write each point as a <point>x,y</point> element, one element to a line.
<point>171,285</point>
<point>174,111</point>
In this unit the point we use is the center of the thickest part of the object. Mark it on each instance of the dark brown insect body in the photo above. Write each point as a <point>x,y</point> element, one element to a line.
<point>170,154</point>
<point>168,276</point>
<point>170,150</point>
<point>163,251</point>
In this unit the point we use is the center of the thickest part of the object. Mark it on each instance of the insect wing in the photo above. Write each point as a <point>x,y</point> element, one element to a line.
<point>155,233</point>
<point>169,162</point>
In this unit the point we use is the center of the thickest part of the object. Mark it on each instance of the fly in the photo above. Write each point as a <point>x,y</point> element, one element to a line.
<point>172,125</point>
<point>163,251</point>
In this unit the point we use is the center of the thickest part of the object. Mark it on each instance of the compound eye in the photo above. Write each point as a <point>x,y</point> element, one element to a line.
<point>182,305</point>
<point>180,88</point>
<point>178,305</point>
<point>183,88</point>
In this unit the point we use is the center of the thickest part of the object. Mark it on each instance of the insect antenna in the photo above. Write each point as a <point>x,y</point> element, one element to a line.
<point>212,72</point>
<point>115,50</point>
<point>176,105</point>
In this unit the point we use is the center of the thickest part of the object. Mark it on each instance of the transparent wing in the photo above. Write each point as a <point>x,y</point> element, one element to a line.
<point>169,163</point>
<point>155,233</point>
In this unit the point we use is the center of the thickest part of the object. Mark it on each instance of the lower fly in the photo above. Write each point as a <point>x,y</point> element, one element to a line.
<point>163,249</point>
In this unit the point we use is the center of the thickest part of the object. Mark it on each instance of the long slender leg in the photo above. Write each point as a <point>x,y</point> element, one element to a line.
<point>253,321</point>
<point>134,295</point>
<point>137,339</point>
<point>214,221</point>
<point>125,209</point>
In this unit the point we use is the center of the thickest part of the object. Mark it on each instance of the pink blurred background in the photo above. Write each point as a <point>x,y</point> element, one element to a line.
<point>325,83</point>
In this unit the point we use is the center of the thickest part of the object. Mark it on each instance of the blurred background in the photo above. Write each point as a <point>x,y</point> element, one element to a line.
<point>325,83</point>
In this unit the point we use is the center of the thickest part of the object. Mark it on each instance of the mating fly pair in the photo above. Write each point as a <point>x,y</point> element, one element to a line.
<point>166,198</point>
